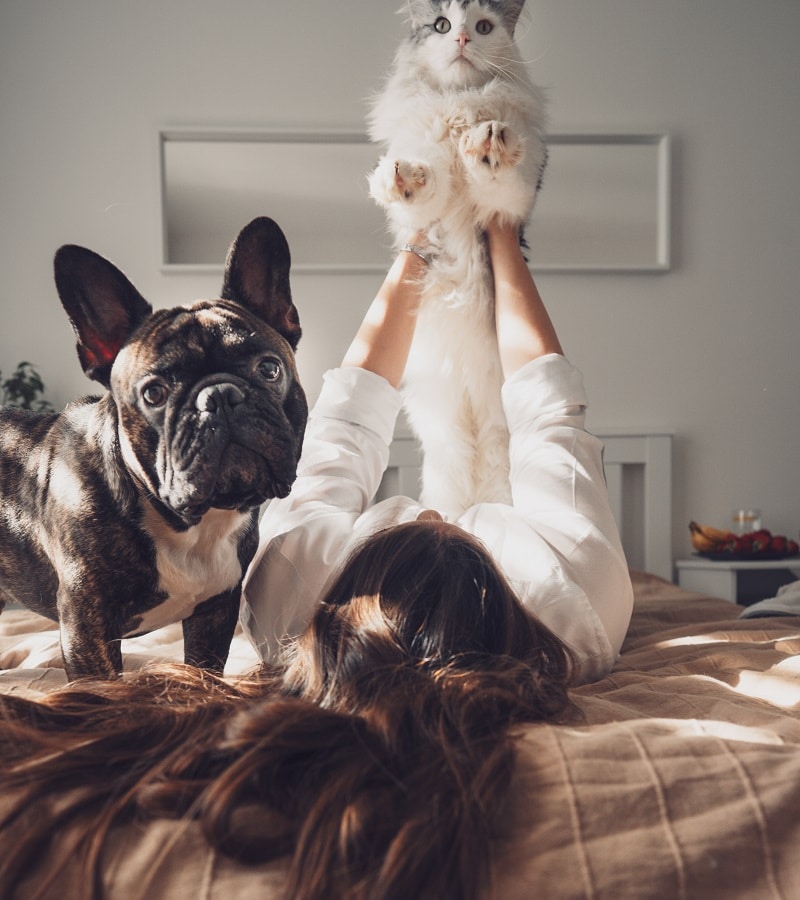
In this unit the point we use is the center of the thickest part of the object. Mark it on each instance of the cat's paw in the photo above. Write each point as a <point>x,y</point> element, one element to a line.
<point>490,147</point>
<point>400,181</point>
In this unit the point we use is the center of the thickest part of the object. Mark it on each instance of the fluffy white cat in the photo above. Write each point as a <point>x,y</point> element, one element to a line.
<point>463,130</point>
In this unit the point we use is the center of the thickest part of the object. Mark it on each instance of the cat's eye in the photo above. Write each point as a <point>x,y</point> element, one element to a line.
<point>484,26</point>
<point>442,25</point>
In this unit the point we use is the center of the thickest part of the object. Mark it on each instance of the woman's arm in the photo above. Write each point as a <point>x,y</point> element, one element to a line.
<point>345,452</point>
<point>524,329</point>
<point>557,479</point>
<point>383,340</point>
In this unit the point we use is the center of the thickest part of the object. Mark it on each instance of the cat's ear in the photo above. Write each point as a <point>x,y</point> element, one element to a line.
<point>418,12</point>
<point>510,10</point>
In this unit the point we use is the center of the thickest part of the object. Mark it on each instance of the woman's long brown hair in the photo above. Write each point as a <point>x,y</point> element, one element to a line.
<point>377,760</point>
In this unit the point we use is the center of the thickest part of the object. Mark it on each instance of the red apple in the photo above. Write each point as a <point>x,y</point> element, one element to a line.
<point>728,545</point>
<point>777,544</point>
<point>761,540</point>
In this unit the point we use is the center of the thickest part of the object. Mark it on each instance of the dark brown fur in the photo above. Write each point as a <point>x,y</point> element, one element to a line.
<point>91,497</point>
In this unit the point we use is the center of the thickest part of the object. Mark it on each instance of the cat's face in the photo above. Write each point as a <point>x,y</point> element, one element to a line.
<point>463,42</point>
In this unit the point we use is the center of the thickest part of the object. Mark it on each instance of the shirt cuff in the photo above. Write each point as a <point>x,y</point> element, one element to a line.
<point>360,397</point>
<point>544,385</point>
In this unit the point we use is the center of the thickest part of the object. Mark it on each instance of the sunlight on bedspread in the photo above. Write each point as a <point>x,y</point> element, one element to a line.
<point>780,685</point>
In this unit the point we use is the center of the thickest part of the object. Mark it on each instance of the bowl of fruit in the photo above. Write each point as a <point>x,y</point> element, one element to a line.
<point>716,543</point>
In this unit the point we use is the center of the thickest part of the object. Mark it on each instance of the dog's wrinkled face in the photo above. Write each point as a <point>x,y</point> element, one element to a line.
<point>211,412</point>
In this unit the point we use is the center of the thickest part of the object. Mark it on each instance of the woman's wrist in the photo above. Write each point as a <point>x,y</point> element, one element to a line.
<point>503,237</point>
<point>418,245</point>
<point>422,252</point>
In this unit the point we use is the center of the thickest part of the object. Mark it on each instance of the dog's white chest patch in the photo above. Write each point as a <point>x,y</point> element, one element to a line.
<point>193,565</point>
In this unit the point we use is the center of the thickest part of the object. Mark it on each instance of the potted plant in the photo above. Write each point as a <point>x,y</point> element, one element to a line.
<point>24,388</point>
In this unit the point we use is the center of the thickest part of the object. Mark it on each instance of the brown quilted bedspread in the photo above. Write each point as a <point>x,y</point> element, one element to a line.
<point>678,776</point>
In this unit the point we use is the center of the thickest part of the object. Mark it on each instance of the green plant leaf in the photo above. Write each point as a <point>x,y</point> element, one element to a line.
<point>24,388</point>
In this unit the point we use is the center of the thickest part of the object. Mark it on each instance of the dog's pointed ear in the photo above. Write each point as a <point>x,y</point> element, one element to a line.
<point>103,307</point>
<point>257,277</point>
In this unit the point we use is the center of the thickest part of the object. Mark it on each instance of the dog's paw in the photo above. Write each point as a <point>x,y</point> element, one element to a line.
<point>400,181</point>
<point>490,147</point>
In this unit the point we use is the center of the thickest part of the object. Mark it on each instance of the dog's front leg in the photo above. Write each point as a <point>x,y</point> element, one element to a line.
<point>208,631</point>
<point>86,647</point>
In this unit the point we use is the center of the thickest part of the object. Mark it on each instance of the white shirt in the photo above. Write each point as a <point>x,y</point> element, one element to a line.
<point>557,543</point>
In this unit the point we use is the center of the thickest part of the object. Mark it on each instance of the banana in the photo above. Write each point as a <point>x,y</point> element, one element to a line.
<point>706,538</point>
<point>716,534</point>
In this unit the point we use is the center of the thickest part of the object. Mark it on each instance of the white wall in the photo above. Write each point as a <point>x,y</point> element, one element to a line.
<point>706,350</point>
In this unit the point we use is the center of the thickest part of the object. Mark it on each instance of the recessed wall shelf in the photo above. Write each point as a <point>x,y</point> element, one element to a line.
<point>604,205</point>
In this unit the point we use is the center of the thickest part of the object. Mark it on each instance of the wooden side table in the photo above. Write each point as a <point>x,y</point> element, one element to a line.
<point>740,581</point>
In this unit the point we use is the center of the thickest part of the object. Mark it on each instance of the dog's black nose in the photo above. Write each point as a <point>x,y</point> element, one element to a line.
<point>219,396</point>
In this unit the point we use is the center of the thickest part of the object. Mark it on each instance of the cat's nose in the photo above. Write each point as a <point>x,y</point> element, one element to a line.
<point>463,38</point>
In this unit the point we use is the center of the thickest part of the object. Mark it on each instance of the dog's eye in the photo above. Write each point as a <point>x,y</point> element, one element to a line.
<point>442,25</point>
<point>484,26</point>
<point>155,393</point>
<point>270,369</point>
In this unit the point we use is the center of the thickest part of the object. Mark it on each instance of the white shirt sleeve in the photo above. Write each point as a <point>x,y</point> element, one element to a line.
<point>304,536</point>
<point>559,545</point>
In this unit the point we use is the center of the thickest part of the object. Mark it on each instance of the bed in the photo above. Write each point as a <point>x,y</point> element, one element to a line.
<point>678,776</point>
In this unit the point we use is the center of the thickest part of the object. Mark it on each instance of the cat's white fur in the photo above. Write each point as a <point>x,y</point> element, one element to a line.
<point>463,130</point>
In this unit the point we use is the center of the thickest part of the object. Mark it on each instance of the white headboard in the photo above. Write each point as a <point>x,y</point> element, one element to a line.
<point>639,474</point>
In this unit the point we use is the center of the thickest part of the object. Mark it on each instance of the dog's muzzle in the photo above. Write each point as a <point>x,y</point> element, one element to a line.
<point>216,398</point>
<point>230,449</point>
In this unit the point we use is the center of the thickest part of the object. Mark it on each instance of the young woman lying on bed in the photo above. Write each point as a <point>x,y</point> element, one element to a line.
<point>376,753</point>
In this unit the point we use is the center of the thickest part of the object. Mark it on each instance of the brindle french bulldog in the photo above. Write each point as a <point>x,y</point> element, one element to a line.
<point>139,508</point>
